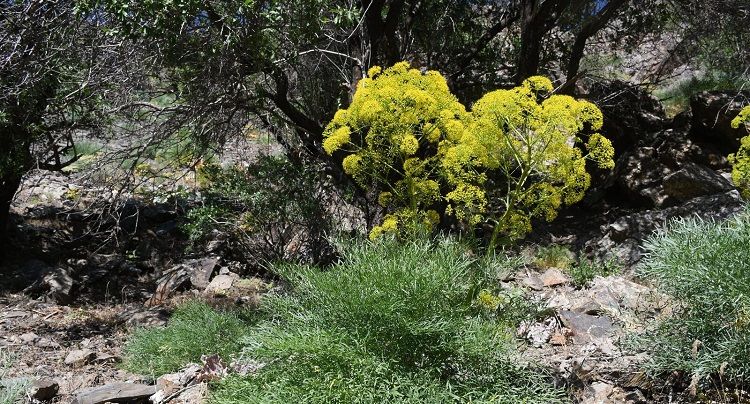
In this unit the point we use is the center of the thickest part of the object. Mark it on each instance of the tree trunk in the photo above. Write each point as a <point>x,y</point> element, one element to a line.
<point>8,188</point>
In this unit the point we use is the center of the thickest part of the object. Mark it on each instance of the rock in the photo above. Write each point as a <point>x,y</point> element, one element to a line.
<point>175,279</point>
<point>187,384</point>
<point>623,237</point>
<point>712,112</point>
<point>170,383</point>
<point>28,338</point>
<point>193,273</point>
<point>194,394</point>
<point>554,277</point>
<point>58,283</point>
<point>638,176</point>
<point>537,333</point>
<point>115,393</point>
<point>598,393</point>
<point>147,318</point>
<point>201,270</point>
<point>79,357</point>
<point>43,389</point>
<point>694,180</point>
<point>586,327</point>
<point>220,285</point>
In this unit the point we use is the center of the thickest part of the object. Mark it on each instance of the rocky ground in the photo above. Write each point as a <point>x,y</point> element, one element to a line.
<point>68,301</point>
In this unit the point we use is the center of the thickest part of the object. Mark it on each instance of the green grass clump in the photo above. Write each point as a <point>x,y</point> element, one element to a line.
<point>554,256</point>
<point>586,270</point>
<point>391,323</point>
<point>195,329</point>
<point>705,265</point>
<point>404,323</point>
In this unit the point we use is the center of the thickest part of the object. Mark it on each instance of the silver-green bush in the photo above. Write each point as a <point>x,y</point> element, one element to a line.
<point>705,266</point>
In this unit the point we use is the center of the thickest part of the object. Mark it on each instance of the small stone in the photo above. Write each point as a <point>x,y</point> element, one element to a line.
<point>558,339</point>
<point>220,285</point>
<point>28,338</point>
<point>43,389</point>
<point>530,280</point>
<point>116,393</point>
<point>79,357</point>
<point>554,277</point>
<point>597,393</point>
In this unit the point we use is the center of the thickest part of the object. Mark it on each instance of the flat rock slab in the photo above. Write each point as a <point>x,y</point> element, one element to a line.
<point>554,277</point>
<point>79,357</point>
<point>116,393</point>
<point>586,327</point>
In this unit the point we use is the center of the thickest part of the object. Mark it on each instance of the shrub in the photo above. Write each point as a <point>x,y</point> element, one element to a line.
<point>391,323</point>
<point>705,265</point>
<point>195,329</point>
<point>741,160</point>
<point>273,210</point>
<point>518,155</point>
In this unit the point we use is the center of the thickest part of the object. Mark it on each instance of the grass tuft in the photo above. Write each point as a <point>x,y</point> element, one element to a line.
<point>705,265</point>
<point>391,323</point>
<point>554,256</point>
<point>195,329</point>
<point>583,272</point>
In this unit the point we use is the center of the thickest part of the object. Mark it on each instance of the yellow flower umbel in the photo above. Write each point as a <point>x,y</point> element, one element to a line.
<point>741,160</point>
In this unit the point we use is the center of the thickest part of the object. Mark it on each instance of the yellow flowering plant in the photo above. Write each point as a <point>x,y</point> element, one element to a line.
<point>390,136</point>
<point>519,154</point>
<point>741,160</point>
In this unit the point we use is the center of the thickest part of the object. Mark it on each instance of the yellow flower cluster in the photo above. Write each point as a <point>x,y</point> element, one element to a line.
<point>742,117</point>
<point>741,160</point>
<point>337,139</point>
<point>489,301</point>
<point>409,137</point>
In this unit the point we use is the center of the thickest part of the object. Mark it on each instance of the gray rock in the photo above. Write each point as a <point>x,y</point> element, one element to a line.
<point>694,180</point>
<point>220,285</point>
<point>170,384</point>
<point>115,393</point>
<point>43,389</point>
<point>79,357</point>
<point>597,393</point>
<point>201,270</point>
<point>623,237</point>
<point>586,327</point>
